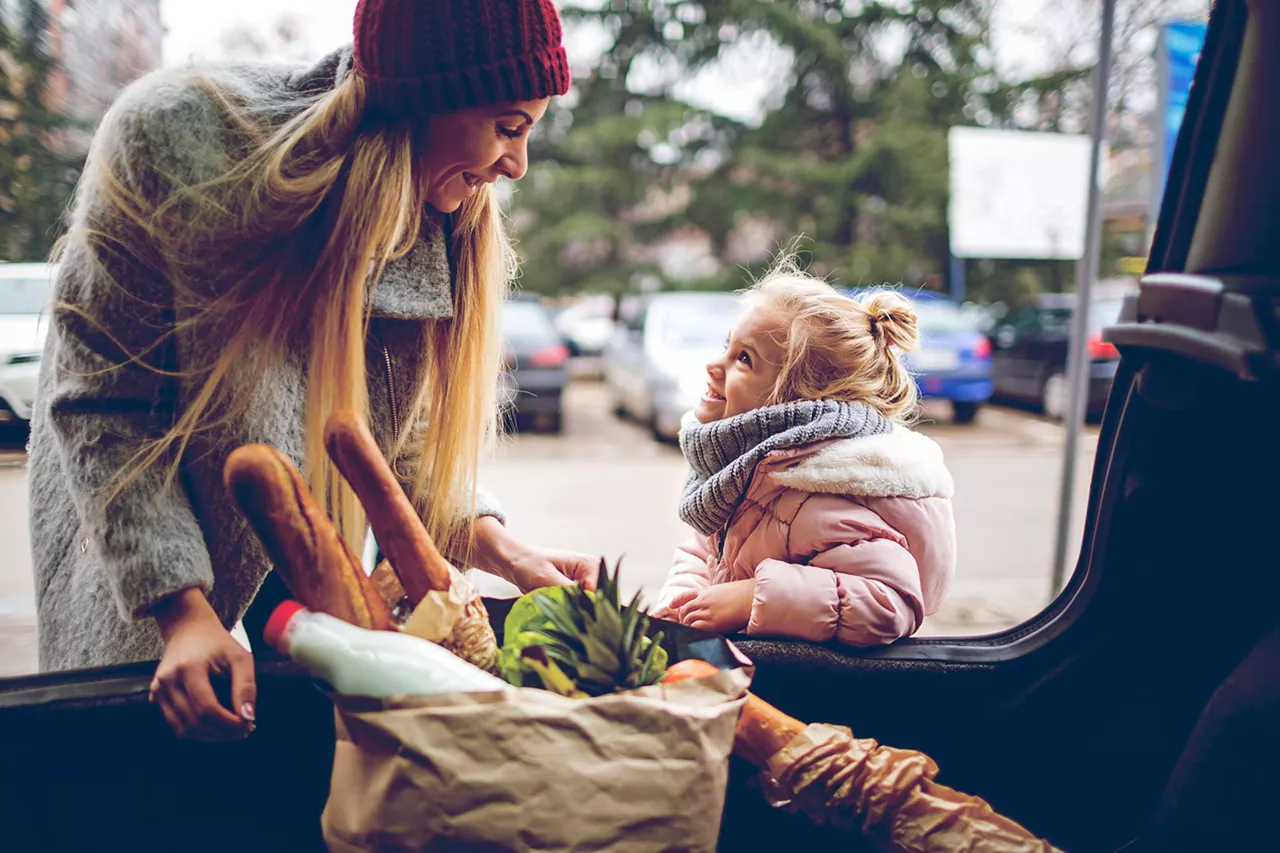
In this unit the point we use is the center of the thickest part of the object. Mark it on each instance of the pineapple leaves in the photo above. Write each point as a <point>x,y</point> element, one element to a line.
<point>552,677</point>
<point>575,642</point>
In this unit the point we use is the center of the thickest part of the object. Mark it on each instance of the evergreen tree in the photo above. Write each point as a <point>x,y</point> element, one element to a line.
<point>37,171</point>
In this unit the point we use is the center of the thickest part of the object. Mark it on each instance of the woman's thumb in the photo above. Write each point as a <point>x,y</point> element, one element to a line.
<point>244,689</point>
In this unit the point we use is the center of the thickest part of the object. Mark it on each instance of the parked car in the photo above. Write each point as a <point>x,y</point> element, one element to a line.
<point>656,364</point>
<point>536,360</point>
<point>1138,711</point>
<point>26,291</point>
<point>953,362</point>
<point>587,325</point>
<point>1029,353</point>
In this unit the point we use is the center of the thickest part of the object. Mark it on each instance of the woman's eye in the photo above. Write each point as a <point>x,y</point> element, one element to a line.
<point>511,133</point>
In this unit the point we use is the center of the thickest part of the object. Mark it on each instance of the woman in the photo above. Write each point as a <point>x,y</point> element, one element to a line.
<point>251,249</point>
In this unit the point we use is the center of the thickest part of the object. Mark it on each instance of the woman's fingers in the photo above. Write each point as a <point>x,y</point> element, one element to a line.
<point>244,689</point>
<point>208,715</point>
<point>171,717</point>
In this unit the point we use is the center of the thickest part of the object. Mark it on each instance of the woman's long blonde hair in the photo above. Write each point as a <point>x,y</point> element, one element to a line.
<point>838,348</point>
<point>300,225</point>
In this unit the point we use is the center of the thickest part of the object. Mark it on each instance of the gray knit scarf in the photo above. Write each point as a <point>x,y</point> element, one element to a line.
<point>723,454</point>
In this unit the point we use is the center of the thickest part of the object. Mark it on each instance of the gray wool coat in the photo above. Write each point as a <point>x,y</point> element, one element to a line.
<point>99,567</point>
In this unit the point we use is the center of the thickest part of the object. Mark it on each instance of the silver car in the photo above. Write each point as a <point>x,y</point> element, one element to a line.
<point>26,291</point>
<point>656,364</point>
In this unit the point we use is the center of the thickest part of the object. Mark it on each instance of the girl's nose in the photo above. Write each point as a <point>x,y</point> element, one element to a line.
<point>715,369</point>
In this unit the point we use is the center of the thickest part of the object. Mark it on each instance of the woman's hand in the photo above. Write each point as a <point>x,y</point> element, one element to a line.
<point>724,608</point>
<point>195,647</point>
<point>527,567</point>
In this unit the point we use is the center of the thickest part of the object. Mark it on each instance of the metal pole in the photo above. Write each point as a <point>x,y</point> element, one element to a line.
<point>1159,149</point>
<point>1086,274</point>
<point>957,280</point>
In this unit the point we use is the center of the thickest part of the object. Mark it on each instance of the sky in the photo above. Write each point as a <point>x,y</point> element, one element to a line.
<point>737,89</point>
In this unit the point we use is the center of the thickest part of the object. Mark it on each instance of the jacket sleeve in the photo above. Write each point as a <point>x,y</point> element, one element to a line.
<point>691,570</point>
<point>111,389</point>
<point>859,584</point>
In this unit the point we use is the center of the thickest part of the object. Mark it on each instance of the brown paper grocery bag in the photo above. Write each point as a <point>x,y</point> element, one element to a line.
<point>644,770</point>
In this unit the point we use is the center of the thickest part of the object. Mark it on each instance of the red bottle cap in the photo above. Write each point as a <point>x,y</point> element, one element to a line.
<point>278,621</point>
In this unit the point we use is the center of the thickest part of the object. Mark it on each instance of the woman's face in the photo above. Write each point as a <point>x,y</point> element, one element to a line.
<point>744,377</point>
<point>477,146</point>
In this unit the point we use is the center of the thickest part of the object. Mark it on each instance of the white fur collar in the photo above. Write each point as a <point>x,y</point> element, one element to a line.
<point>901,463</point>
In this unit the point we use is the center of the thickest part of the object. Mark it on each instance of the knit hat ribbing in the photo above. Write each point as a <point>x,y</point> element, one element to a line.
<point>421,57</point>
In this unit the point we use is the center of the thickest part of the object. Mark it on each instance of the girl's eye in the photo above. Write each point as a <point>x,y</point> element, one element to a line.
<point>745,358</point>
<point>511,133</point>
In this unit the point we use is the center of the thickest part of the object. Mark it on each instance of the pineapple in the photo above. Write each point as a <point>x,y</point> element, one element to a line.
<point>579,643</point>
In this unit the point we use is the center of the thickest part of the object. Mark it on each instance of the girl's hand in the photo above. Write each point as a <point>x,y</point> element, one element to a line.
<point>195,647</point>
<point>721,609</point>
<point>527,567</point>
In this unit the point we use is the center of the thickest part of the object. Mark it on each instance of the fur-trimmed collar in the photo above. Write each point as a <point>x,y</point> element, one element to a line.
<point>902,463</point>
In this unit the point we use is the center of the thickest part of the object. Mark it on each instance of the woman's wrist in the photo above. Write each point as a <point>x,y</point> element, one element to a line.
<point>174,611</point>
<point>495,549</point>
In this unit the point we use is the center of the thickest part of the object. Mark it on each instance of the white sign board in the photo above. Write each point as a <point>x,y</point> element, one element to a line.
<point>1016,194</point>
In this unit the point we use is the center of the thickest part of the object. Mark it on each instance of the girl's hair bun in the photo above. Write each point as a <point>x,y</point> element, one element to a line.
<point>892,320</point>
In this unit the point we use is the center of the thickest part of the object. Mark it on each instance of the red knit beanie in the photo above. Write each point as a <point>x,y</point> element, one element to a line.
<point>431,56</point>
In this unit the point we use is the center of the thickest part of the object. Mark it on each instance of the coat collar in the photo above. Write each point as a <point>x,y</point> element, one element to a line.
<point>901,463</point>
<point>419,285</point>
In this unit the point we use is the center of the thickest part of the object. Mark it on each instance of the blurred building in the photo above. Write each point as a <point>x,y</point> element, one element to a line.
<point>102,46</point>
<point>1126,210</point>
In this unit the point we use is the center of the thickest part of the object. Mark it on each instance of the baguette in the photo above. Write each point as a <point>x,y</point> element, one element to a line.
<point>313,560</point>
<point>762,730</point>
<point>396,524</point>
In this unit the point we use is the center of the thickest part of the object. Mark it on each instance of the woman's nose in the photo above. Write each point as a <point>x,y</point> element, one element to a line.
<point>515,162</point>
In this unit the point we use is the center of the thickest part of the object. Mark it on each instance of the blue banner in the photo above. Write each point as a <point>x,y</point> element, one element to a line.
<point>1182,43</point>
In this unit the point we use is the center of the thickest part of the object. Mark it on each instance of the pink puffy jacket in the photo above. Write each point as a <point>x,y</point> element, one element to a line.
<point>851,539</point>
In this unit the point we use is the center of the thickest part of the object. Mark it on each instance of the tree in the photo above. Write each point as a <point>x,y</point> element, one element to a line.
<point>855,155</point>
<point>38,170</point>
<point>852,153</point>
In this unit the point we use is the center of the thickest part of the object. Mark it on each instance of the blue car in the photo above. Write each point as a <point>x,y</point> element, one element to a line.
<point>953,362</point>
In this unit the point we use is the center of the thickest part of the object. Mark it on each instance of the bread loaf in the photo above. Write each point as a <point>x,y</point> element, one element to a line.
<point>313,560</point>
<point>762,729</point>
<point>396,524</point>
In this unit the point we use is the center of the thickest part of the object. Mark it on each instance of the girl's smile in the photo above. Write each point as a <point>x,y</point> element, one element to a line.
<point>744,377</point>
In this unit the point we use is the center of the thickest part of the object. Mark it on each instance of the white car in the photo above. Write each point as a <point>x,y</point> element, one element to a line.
<point>656,364</point>
<point>587,325</point>
<point>26,294</point>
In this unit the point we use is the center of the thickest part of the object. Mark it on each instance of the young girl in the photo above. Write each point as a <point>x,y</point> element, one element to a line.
<point>820,516</point>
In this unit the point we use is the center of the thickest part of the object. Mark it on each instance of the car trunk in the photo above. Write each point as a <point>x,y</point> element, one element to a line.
<point>1071,723</point>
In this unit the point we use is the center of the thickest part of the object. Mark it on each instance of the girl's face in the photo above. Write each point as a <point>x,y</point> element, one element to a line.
<point>477,146</point>
<point>744,377</point>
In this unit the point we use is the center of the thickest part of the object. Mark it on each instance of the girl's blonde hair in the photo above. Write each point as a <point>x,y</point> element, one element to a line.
<point>839,348</point>
<point>300,225</point>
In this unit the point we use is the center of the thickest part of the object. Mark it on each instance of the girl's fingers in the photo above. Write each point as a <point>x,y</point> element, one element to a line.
<point>681,599</point>
<point>692,615</point>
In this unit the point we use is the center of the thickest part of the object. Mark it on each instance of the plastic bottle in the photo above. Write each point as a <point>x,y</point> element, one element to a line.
<point>358,662</point>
